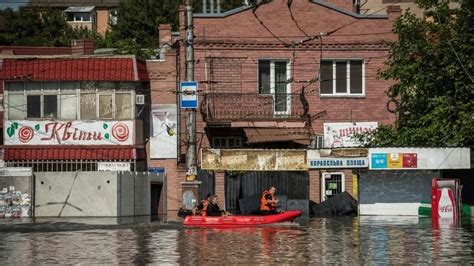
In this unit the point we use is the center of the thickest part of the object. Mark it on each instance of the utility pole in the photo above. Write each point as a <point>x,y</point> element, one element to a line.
<point>191,113</point>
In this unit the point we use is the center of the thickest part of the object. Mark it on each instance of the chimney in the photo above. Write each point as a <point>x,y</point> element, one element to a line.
<point>164,32</point>
<point>82,47</point>
<point>393,12</point>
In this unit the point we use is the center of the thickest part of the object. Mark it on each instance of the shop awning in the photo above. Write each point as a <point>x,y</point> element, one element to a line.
<point>262,135</point>
<point>71,153</point>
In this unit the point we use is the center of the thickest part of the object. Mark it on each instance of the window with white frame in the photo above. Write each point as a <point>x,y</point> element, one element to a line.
<point>70,100</point>
<point>79,16</point>
<point>273,78</point>
<point>342,77</point>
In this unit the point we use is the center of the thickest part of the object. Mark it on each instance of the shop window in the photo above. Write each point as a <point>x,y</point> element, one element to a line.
<point>88,106</point>
<point>33,106</point>
<point>332,184</point>
<point>123,104</point>
<point>105,107</point>
<point>342,77</point>
<point>16,105</point>
<point>68,106</point>
<point>50,106</point>
<point>67,100</point>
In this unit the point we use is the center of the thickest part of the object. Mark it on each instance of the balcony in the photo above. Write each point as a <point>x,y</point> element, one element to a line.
<point>229,107</point>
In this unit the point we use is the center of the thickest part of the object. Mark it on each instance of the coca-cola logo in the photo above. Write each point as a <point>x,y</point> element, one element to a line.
<point>446,208</point>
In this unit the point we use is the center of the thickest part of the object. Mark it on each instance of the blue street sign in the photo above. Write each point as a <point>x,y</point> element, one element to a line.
<point>189,95</point>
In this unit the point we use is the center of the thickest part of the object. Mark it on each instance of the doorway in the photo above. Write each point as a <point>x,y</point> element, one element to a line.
<point>332,184</point>
<point>155,197</point>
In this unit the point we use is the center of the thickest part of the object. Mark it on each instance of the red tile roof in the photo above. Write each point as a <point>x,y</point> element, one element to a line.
<point>34,50</point>
<point>71,153</point>
<point>76,69</point>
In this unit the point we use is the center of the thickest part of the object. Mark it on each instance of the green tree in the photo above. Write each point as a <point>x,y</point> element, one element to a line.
<point>137,24</point>
<point>432,65</point>
<point>45,27</point>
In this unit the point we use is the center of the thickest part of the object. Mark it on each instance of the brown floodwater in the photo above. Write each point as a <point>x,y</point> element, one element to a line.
<point>364,240</point>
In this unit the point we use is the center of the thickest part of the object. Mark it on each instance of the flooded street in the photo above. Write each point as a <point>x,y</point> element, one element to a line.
<point>325,240</point>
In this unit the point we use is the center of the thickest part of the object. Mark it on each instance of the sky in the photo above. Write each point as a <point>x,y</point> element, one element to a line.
<point>14,4</point>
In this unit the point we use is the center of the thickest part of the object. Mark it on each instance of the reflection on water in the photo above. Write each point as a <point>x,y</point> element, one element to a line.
<point>338,240</point>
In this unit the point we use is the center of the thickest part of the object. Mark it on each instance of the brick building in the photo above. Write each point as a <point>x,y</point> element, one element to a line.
<point>74,111</point>
<point>96,16</point>
<point>279,75</point>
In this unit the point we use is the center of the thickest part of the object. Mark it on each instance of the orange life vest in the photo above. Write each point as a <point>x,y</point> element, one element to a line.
<point>205,204</point>
<point>264,204</point>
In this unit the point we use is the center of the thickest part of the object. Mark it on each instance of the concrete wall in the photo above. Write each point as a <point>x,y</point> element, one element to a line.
<point>93,194</point>
<point>75,194</point>
<point>394,192</point>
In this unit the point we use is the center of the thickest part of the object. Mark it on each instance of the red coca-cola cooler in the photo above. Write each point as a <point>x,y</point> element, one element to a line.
<point>445,202</point>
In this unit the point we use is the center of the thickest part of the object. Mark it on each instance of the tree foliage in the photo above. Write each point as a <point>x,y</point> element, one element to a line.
<point>138,21</point>
<point>34,27</point>
<point>432,65</point>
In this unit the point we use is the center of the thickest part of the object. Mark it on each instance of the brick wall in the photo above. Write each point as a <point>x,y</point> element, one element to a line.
<point>223,40</point>
<point>315,186</point>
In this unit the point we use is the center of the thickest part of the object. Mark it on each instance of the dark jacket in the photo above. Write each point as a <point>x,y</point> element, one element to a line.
<point>213,210</point>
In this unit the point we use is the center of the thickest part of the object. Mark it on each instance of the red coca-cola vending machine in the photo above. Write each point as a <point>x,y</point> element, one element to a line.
<point>445,202</point>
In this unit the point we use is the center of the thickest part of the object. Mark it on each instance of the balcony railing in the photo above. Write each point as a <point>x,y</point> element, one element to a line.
<point>252,106</point>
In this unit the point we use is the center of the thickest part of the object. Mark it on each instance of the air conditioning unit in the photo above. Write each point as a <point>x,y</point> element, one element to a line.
<point>140,99</point>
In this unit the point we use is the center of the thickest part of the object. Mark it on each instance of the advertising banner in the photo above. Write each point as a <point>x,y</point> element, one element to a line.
<point>253,160</point>
<point>27,132</point>
<point>337,135</point>
<point>164,131</point>
<point>419,158</point>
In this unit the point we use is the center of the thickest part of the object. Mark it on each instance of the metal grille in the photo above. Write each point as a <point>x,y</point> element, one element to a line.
<point>69,165</point>
<point>332,184</point>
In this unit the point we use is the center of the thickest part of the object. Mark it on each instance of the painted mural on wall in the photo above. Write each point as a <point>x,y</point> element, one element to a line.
<point>14,203</point>
<point>24,132</point>
<point>337,135</point>
<point>164,135</point>
<point>254,160</point>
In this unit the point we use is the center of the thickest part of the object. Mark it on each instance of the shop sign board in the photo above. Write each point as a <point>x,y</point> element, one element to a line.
<point>338,135</point>
<point>113,166</point>
<point>28,132</point>
<point>253,160</point>
<point>324,163</point>
<point>419,158</point>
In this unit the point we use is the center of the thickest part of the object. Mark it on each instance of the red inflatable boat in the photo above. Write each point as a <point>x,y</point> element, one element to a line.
<point>239,221</point>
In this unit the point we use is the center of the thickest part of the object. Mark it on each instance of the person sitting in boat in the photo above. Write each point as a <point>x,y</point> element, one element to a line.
<point>213,208</point>
<point>268,202</point>
<point>201,209</point>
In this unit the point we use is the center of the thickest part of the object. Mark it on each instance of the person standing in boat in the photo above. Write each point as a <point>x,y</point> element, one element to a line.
<point>268,202</point>
<point>213,208</point>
